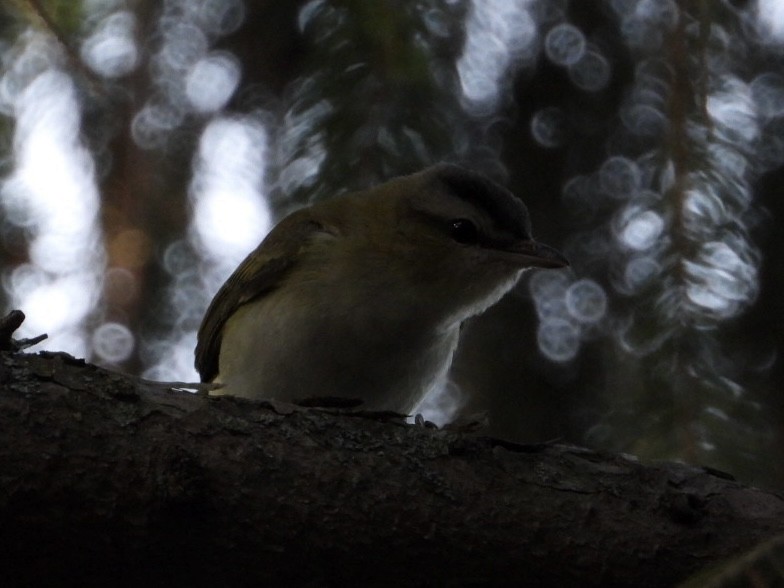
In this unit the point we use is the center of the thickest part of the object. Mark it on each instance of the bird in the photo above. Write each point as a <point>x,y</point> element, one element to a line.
<point>362,295</point>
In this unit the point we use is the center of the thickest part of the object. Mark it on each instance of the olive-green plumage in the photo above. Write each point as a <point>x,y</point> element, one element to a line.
<point>362,295</point>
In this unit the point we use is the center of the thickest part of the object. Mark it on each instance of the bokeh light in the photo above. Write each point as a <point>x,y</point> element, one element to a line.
<point>113,343</point>
<point>548,290</point>
<point>638,273</point>
<point>111,49</point>
<point>586,301</point>
<point>733,112</point>
<point>566,307</point>
<point>591,72</point>
<point>230,218</point>
<point>186,76</point>
<point>558,339</point>
<point>498,32</point>
<point>639,229</point>
<point>767,90</point>
<point>229,213</point>
<point>211,81</point>
<point>548,127</point>
<point>620,177</point>
<point>564,44</point>
<point>51,192</point>
<point>770,19</point>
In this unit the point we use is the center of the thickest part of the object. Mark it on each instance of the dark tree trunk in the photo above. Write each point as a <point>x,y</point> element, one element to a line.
<point>105,480</point>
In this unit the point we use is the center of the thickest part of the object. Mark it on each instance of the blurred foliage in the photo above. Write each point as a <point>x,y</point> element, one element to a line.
<point>646,137</point>
<point>375,85</point>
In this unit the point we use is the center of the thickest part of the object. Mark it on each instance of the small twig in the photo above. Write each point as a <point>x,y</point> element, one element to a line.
<point>10,323</point>
<point>201,388</point>
<point>20,344</point>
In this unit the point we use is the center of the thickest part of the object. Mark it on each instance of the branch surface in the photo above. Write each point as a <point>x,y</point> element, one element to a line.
<point>106,478</point>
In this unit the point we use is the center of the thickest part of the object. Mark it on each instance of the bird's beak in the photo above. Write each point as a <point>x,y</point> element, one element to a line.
<point>532,254</point>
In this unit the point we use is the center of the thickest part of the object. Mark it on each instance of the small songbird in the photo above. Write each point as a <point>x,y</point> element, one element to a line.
<point>362,295</point>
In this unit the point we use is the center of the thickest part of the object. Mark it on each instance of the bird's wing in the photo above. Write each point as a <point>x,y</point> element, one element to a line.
<point>261,272</point>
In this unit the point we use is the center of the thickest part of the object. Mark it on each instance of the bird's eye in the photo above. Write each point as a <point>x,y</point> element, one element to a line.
<point>463,231</point>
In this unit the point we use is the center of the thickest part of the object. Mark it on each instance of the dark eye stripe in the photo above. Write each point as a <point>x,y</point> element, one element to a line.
<point>507,211</point>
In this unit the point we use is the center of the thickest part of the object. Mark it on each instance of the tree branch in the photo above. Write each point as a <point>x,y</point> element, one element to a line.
<point>108,479</point>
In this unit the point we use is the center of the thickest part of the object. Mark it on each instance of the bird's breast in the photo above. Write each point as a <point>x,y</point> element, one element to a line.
<point>291,348</point>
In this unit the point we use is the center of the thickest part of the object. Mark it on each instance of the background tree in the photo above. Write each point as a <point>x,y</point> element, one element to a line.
<point>148,147</point>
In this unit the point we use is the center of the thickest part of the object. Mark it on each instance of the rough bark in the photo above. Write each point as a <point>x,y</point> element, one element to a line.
<point>105,479</point>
